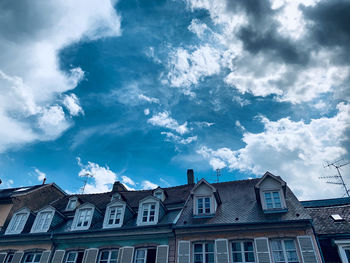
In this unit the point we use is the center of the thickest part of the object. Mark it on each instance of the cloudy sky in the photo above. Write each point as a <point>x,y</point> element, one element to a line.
<point>139,91</point>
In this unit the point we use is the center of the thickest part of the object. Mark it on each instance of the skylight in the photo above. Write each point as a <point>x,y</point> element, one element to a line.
<point>336,217</point>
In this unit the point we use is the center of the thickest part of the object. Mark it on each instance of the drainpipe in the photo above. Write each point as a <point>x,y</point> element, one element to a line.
<point>53,247</point>
<point>317,241</point>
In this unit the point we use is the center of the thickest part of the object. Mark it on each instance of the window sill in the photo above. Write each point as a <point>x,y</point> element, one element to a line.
<point>204,216</point>
<point>276,211</point>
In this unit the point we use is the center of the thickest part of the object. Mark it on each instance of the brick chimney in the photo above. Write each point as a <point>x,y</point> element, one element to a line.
<point>190,176</point>
<point>118,187</point>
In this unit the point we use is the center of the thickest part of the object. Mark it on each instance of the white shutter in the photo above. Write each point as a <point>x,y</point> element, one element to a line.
<point>127,256</point>
<point>184,252</point>
<point>262,250</point>
<point>17,257</point>
<point>120,253</point>
<point>2,257</point>
<point>58,256</point>
<point>162,254</point>
<point>90,255</point>
<point>307,249</point>
<point>45,256</point>
<point>221,249</point>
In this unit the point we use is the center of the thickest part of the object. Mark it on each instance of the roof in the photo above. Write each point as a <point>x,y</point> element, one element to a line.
<point>6,194</point>
<point>240,205</point>
<point>321,211</point>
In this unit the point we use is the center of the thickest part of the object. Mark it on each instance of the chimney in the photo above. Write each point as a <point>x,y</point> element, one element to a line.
<point>44,180</point>
<point>118,187</point>
<point>190,176</point>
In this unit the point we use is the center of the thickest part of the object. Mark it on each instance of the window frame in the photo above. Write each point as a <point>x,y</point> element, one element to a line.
<point>71,200</point>
<point>203,253</point>
<point>243,252</point>
<point>148,205</point>
<point>21,222</point>
<point>109,255</point>
<point>38,217</point>
<point>149,200</point>
<point>78,215</point>
<point>271,192</point>
<point>203,197</point>
<point>135,255</point>
<point>8,256</point>
<point>34,257</point>
<point>284,250</point>
<point>76,252</point>
<point>114,205</point>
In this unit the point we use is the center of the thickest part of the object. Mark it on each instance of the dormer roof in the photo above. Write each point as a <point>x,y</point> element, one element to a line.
<point>214,190</point>
<point>274,177</point>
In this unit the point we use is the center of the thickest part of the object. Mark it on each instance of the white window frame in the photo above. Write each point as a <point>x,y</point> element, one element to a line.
<point>146,203</point>
<point>36,228</point>
<point>78,214</point>
<point>135,256</point>
<point>71,200</point>
<point>109,255</point>
<point>203,253</point>
<point>241,242</point>
<point>9,257</point>
<point>75,258</point>
<point>284,250</point>
<point>203,197</point>
<point>149,207</point>
<point>114,205</point>
<point>116,196</point>
<point>159,192</point>
<point>35,254</point>
<point>274,207</point>
<point>18,221</point>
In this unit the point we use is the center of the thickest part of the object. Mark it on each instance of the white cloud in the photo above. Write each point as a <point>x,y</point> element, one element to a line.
<point>202,124</point>
<point>293,150</point>
<point>31,82</point>
<point>72,104</point>
<point>147,185</point>
<point>146,111</point>
<point>40,175</point>
<point>197,28</point>
<point>128,180</point>
<point>100,179</point>
<point>178,139</point>
<point>163,119</point>
<point>148,99</point>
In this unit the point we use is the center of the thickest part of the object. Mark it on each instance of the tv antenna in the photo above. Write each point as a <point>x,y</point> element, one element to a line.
<point>338,178</point>
<point>86,176</point>
<point>218,174</point>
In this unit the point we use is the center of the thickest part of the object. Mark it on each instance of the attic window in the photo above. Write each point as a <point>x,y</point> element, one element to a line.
<point>272,200</point>
<point>42,221</point>
<point>72,204</point>
<point>336,217</point>
<point>159,193</point>
<point>116,197</point>
<point>17,222</point>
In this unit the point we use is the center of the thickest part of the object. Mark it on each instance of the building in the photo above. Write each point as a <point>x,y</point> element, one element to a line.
<point>257,220</point>
<point>331,220</point>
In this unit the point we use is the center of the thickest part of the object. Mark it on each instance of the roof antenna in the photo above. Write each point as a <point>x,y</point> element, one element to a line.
<point>338,179</point>
<point>218,174</point>
<point>87,176</point>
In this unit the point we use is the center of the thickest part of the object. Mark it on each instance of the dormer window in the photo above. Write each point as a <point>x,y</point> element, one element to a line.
<point>114,215</point>
<point>159,193</point>
<point>42,221</point>
<point>272,200</point>
<point>116,212</point>
<point>203,205</point>
<point>83,217</point>
<point>148,212</point>
<point>18,222</point>
<point>72,203</point>
<point>116,196</point>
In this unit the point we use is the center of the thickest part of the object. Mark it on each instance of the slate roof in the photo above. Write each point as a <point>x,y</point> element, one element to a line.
<point>240,205</point>
<point>6,194</point>
<point>321,211</point>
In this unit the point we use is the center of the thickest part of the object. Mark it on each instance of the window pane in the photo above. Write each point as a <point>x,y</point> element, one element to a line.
<point>71,256</point>
<point>198,248</point>
<point>249,257</point>
<point>209,247</point>
<point>289,244</point>
<point>198,258</point>
<point>114,254</point>
<point>209,258</point>
<point>236,246</point>
<point>278,256</point>
<point>236,257</point>
<point>248,246</point>
<point>292,256</point>
<point>276,245</point>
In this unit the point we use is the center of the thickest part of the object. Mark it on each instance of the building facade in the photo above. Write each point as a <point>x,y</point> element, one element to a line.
<point>257,220</point>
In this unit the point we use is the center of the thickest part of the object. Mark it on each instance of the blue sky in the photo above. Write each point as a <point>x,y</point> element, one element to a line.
<point>140,91</point>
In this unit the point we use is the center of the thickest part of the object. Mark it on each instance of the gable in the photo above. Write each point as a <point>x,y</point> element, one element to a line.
<point>270,183</point>
<point>203,189</point>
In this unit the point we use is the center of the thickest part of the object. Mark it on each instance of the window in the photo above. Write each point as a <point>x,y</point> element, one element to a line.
<point>145,255</point>
<point>75,257</point>
<point>17,223</point>
<point>43,221</point>
<point>336,217</point>
<point>148,212</point>
<point>116,196</point>
<point>272,200</point>
<point>84,217</point>
<point>72,203</point>
<point>159,195</point>
<point>108,256</point>
<point>203,205</point>
<point>114,216</point>
<point>9,258</point>
<point>203,252</point>
<point>284,251</point>
<point>32,257</point>
<point>242,251</point>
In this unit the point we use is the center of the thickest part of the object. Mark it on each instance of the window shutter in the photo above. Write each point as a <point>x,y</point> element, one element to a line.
<point>2,257</point>
<point>307,249</point>
<point>162,254</point>
<point>184,252</point>
<point>58,256</point>
<point>127,255</point>
<point>90,255</point>
<point>120,252</point>
<point>17,257</point>
<point>262,250</point>
<point>45,256</point>
<point>221,246</point>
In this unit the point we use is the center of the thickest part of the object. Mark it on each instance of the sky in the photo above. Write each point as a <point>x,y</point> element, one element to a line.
<point>94,91</point>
